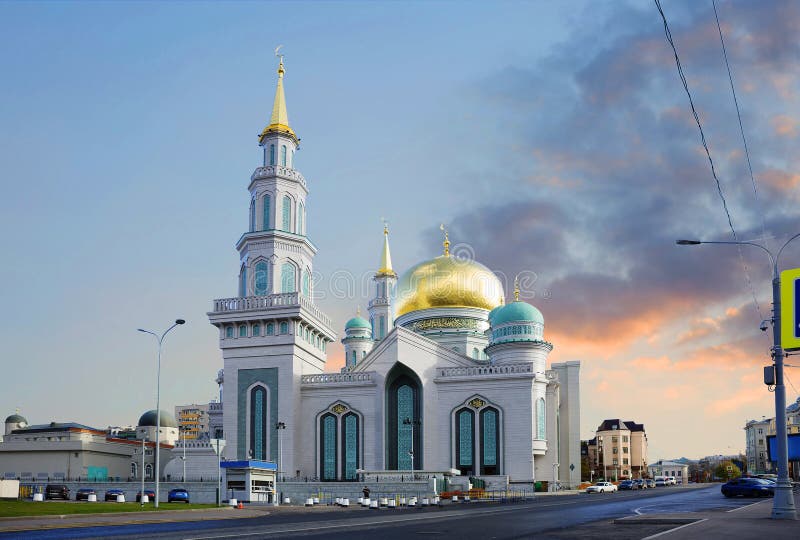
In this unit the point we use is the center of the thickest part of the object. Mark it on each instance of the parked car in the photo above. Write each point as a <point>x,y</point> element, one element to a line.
<point>601,487</point>
<point>150,494</point>
<point>178,495</point>
<point>661,481</point>
<point>641,483</point>
<point>111,494</point>
<point>83,494</point>
<point>650,482</point>
<point>628,485</point>
<point>56,491</point>
<point>671,481</point>
<point>748,487</point>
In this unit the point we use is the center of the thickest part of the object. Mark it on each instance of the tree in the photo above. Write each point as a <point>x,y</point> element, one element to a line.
<point>727,470</point>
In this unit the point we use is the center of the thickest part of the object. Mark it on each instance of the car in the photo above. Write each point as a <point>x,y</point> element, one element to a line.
<point>601,487</point>
<point>178,495</point>
<point>748,487</point>
<point>150,494</point>
<point>56,491</point>
<point>661,481</point>
<point>628,485</point>
<point>650,482</point>
<point>641,483</point>
<point>111,494</point>
<point>671,481</point>
<point>83,494</point>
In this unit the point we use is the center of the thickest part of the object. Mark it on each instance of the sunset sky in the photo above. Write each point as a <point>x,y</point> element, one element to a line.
<point>554,138</point>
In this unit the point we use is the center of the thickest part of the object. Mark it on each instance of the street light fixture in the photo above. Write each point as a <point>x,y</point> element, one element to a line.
<point>280,426</point>
<point>160,340</point>
<point>409,422</point>
<point>783,503</point>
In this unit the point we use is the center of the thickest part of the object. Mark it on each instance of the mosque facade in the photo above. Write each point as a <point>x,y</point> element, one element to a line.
<point>441,374</point>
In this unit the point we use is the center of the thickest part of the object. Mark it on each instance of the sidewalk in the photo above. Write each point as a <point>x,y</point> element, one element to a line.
<point>745,522</point>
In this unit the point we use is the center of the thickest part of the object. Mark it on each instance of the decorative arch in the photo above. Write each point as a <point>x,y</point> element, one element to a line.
<point>477,437</point>
<point>286,213</point>
<point>339,432</point>
<point>266,203</point>
<point>403,419</point>
<point>272,154</point>
<point>261,278</point>
<point>288,277</point>
<point>148,470</point>
<point>257,423</point>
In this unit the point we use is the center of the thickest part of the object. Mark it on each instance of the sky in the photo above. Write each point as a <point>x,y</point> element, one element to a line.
<point>553,138</point>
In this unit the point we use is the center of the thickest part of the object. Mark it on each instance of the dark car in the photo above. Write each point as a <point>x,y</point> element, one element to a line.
<point>178,495</point>
<point>56,491</point>
<point>150,494</point>
<point>628,484</point>
<point>748,487</point>
<point>111,494</point>
<point>83,494</point>
<point>641,483</point>
<point>650,482</point>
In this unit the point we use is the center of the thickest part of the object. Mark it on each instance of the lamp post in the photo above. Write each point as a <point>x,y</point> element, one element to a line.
<point>184,453</point>
<point>141,498</point>
<point>555,477</point>
<point>219,475</point>
<point>160,340</point>
<point>409,422</point>
<point>783,503</point>
<point>279,427</point>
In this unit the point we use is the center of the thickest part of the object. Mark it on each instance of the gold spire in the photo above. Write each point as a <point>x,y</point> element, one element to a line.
<point>358,311</point>
<point>279,121</point>
<point>446,243</point>
<point>516,289</point>
<point>386,256</point>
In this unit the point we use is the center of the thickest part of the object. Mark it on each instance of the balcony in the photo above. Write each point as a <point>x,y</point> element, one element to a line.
<point>259,303</point>
<point>485,371</point>
<point>277,170</point>
<point>353,379</point>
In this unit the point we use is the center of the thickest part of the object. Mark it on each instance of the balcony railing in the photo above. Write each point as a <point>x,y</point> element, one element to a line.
<point>472,371</point>
<point>338,378</point>
<point>277,170</point>
<point>255,303</point>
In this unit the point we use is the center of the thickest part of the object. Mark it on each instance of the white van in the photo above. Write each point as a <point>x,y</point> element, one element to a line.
<point>671,481</point>
<point>661,481</point>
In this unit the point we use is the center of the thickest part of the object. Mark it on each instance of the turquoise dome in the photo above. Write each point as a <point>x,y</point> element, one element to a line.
<point>357,322</point>
<point>516,312</point>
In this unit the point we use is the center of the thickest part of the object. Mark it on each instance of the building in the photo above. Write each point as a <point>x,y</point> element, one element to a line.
<point>618,450</point>
<point>192,420</point>
<point>670,468</point>
<point>756,432</point>
<point>442,375</point>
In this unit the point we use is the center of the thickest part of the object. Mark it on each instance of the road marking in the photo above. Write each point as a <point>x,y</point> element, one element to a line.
<point>747,506</point>
<point>662,533</point>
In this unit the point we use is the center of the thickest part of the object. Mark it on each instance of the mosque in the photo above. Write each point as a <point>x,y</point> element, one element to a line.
<point>441,375</point>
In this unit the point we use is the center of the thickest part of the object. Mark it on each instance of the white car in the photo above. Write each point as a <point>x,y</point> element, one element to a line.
<point>602,487</point>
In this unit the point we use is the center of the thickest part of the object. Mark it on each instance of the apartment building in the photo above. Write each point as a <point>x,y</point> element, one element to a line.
<point>192,420</point>
<point>618,450</point>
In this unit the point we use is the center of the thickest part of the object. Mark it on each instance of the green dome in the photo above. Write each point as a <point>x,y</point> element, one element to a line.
<point>516,312</point>
<point>357,322</point>
<point>15,419</point>
<point>149,419</point>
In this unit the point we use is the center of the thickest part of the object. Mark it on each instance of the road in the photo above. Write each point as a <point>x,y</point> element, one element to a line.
<point>489,521</point>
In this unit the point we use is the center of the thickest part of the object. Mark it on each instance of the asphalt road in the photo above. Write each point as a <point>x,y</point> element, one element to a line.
<point>489,521</point>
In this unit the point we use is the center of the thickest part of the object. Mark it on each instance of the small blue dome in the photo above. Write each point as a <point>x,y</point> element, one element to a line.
<point>516,312</point>
<point>357,322</point>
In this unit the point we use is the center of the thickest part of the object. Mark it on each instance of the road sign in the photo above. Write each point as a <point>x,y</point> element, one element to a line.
<point>571,467</point>
<point>790,309</point>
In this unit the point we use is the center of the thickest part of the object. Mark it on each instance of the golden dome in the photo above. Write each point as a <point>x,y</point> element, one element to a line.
<point>448,282</point>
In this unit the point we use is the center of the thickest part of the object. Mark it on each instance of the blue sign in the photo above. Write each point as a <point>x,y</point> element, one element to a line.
<point>790,309</point>
<point>794,447</point>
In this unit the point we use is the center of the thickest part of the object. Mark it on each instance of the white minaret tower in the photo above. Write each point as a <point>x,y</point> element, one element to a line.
<point>271,333</point>
<point>381,307</point>
<point>358,340</point>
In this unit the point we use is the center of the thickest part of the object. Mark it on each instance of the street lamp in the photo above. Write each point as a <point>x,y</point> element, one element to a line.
<point>160,340</point>
<point>219,476</point>
<point>141,497</point>
<point>783,503</point>
<point>409,422</point>
<point>280,426</point>
<point>555,476</point>
<point>183,430</point>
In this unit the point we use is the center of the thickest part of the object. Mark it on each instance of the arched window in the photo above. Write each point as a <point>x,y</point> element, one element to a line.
<point>261,277</point>
<point>259,421</point>
<point>363,354</point>
<point>265,204</point>
<point>252,215</point>
<point>270,329</point>
<point>284,327</point>
<point>300,215</point>
<point>306,283</point>
<point>243,331</point>
<point>133,470</point>
<point>243,281</point>
<point>540,418</point>
<point>465,441</point>
<point>382,320</point>
<point>353,358</point>
<point>288,278</point>
<point>148,471</point>
<point>350,446</point>
<point>283,155</point>
<point>256,329</point>
<point>327,451</point>
<point>476,354</point>
<point>372,324</point>
<point>287,213</point>
<point>490,436</point>
<point>229,331</point>
<point>272,154</point>
<point>404,419</point>
<point>292,162</point>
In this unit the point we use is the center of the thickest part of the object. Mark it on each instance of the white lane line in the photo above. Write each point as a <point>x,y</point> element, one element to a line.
<point>747,505</point>
<point>662,533</point>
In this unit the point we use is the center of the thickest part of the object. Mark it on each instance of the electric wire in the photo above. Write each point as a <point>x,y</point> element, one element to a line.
<point>708,152</point>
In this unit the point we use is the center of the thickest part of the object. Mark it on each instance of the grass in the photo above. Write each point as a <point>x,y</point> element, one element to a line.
<point>24,508</point>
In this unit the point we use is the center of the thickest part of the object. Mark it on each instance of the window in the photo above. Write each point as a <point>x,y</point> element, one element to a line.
<point>350,446</point>
<point>288,278</point>
<point>624,449</point>
<point>148,470</point>
<point>286,218</point>
<point>291,163</point>
<point>272,154</point>
<point>284,327</point>
<point>465,441</point>
<point>256,329</point>
<point>270,329</point>
<point>283,155</point>
<point>306,283</point>
<point>133,470</point>
<point>327,451</point>
<point>300,215</point>
<point>261,278</point>
<point>490,435</point>
<point>242,331</point>
<point>363,354</point>
<point>614,450</point>
<point>476,354</point>
<point>624,438</point>
<point>624,461</point>
<point>243,281</point>
<point>229,331</point>
<point>265,212</point>
<point>540,419</point>
<point>615,461</point>
<point>614,439</point>
<point>353,358</point>
<point>403,420</point>
<point>382,320</point>
<point>252,215</point>
<point>258,422</point>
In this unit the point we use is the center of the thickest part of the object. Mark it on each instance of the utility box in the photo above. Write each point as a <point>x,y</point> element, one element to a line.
<point>769,375</point>
<point>9,489</point>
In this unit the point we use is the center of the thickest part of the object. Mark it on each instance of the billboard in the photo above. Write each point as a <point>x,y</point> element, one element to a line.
<point>790,309</point>
<point>794,447</point>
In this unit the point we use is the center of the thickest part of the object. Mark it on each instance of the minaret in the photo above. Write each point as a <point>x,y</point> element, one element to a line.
<point>271,333</point>
<point>381,307</point>
<point>357,341</point>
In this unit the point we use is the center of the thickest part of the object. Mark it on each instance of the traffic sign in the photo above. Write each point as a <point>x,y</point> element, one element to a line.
<point>790,309</point>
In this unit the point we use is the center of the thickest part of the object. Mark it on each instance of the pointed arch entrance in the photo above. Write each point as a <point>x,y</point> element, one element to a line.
<point>403,419</point>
